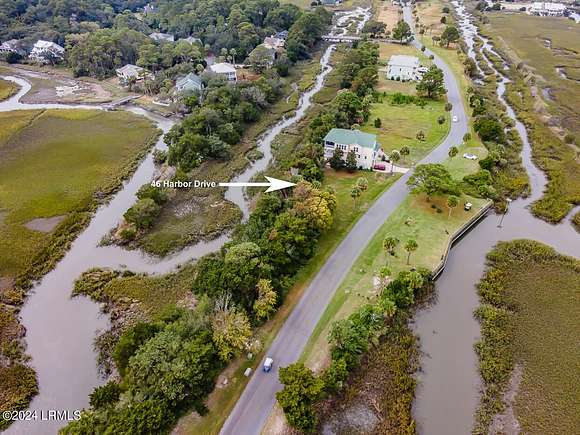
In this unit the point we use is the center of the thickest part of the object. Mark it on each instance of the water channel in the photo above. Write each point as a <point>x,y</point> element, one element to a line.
<point>448,383</point>
<point>60,330</point>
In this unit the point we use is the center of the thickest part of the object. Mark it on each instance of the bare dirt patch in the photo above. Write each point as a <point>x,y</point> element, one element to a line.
<point>390,15</point>
<point>54,87</point>
<point>507,422</point>
<point>44,225</point>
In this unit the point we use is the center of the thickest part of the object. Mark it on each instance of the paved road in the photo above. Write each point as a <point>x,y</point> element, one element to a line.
<point>257,400</point>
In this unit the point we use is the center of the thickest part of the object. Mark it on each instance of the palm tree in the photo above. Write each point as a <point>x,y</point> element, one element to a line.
<point>452,202</point>
<point>405,151</point>
<point>389,245</point>
<point>415,280</point>
<point>453,151</point>
<point>394,157</point>
<point>362,183</point>
<point>355,192</point>
<point>410,246</point>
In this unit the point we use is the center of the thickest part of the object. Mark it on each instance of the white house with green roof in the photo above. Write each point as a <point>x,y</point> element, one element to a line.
<point>364,145</point>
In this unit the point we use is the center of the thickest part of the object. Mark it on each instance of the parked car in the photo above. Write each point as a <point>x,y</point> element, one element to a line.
<point>469,156</point>
<point>268,363</point>
<point>467,206</point>
<point>380,167</point>
<point>455,118</point>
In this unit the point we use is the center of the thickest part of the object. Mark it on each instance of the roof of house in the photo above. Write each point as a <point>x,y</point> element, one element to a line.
<point>282,35</point>
<point>191,39</point>
<point>188,82</point>
<point>548,6</point>
<point>158,36</point>
<point>351,137</point>
<point>273,42</point>
<point>404,60</point>
<point>222,68</point>
<point>130,70</point>
<point>42,44</point>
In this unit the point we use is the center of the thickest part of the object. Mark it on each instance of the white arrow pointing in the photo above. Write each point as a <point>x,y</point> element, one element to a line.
<point>273,184</point>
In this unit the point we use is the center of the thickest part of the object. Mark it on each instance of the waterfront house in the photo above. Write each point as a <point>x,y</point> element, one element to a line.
<point>364,145</point>
<point>130,72</point>
<point>188,84</point>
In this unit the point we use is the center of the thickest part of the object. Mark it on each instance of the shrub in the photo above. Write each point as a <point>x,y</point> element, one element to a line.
<point>105,395</point>
<point>143,213</point>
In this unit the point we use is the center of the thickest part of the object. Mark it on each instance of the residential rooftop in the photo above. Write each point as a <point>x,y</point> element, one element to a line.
<point>351,137</point>
<point>404,60</point>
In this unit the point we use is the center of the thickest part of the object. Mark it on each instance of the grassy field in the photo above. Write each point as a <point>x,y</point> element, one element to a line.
<point>546,44</point>
<point>400,123</point>
<point>529,319</point>
<point>7,89</point>
<point>222,400</point>
<point>52,163</point>
<point>414,219</point>
<point>544,101</point>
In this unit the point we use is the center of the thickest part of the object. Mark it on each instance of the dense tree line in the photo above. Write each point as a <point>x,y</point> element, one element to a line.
<point>54,19</point>
<point>217,123</point>
<point>171,363</point>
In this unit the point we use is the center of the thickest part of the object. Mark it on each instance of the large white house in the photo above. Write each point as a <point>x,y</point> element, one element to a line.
<point>226,70</point>
<point>403,67</point>
<point>130,72</point>
<point>364,145</point>
<point>44,51</point>
<point>547,9</point>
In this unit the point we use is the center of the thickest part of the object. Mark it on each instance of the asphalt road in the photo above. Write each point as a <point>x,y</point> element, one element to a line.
<point>257,400</point>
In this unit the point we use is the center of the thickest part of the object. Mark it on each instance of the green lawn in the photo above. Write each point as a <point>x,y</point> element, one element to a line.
<point>414,219</point>
<point>222,400</point>
<point>7,89</point>
<point>529,317</point>
<point>400,124</point>
<point>52,163</point>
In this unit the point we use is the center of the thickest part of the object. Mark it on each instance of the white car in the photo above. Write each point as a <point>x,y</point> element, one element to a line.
<point>268,363</point>
<point>469,156</point>
<point>455,118</point>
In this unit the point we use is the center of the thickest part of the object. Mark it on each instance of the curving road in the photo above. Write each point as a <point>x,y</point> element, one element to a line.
<point>257,400</point>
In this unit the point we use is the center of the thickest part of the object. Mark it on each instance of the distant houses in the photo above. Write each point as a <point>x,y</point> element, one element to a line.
<point>188,84</point>
<point>130,73</point>
<point>166,37</point>
<point>404,68</point>
<point>46,52</point>
<point>547,9</point>
<point>272,42</point>
<point>12,46</point>
<point>364,145</point>
<point>225,70</point>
